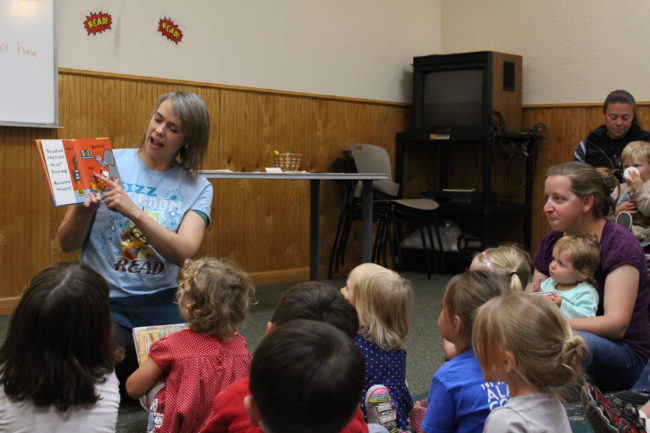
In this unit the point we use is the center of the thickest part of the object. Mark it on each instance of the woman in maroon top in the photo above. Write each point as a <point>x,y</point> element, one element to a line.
<point>578,202</point>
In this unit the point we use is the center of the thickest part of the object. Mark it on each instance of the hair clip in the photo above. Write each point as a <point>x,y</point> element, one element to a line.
<point>487,261</point>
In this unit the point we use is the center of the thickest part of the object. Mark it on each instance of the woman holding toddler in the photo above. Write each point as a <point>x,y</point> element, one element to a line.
<point>578,202</point>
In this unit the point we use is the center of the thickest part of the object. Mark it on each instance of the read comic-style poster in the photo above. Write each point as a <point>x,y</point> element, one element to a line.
<point>170,30</point>
<point>98,22</point>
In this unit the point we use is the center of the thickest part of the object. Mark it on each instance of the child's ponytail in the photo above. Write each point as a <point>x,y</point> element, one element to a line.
<point>516,284</point>
<point>570,359</point>
<point>549,356</point>
<point>509,261</point>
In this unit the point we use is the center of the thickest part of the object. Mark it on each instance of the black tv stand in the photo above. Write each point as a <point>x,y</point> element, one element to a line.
<point>483,202</point>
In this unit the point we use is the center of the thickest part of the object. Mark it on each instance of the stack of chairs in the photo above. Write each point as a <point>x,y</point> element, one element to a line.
<point>389,212</point>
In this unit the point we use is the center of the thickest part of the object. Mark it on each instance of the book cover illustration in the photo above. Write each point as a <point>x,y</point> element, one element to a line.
<point>145,336</point>
<point>69,166</point>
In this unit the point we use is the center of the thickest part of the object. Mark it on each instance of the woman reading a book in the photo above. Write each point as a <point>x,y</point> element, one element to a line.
<point>139,233</point>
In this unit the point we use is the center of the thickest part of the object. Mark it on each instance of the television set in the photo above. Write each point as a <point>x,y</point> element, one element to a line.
<point>467,92</point>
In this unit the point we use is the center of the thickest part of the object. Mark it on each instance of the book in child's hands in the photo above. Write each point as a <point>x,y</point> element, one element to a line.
<point>144,337</point>
<point>69,166</point>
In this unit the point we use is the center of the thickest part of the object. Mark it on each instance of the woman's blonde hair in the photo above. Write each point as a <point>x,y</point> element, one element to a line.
<point>509,261</point>
<point>585,254</point>
<point>548,355</point>
<point>216,294</point>
<point>466,292</point>
<point>383,300</point>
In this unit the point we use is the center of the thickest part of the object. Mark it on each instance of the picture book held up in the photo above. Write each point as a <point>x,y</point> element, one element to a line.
<point>69,166</point>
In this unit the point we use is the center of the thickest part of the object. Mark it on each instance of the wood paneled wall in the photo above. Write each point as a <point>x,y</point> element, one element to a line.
<point>262,225</point>
<point>567,125</point>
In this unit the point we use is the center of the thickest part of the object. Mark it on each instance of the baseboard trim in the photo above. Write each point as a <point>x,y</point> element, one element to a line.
<point>8,305</point>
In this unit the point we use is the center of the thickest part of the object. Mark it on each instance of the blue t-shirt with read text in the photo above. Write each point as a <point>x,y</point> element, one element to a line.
<point>118,250</point>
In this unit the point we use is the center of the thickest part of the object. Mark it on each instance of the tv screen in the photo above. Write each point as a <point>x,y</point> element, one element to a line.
<point>453,99</point>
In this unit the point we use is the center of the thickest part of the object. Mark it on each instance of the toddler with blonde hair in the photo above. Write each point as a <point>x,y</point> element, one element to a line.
<point>382,299</point>
<point>633,202</point>
<point>509,261</point>
<point>570,285</point>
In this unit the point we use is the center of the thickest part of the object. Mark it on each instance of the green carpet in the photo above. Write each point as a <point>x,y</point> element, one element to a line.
<point>423,343</point>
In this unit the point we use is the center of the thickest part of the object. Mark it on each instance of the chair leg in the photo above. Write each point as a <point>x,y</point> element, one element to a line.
<point>426,251</point>
<point>378,252</point>
<point>391,239</point>
<point>433,251</point>
<point>440,253</point>
<point>436,254</point>
<point>397,246</point>
<point>335,247</point>
<point>344,242</point>
<point>385,242</point>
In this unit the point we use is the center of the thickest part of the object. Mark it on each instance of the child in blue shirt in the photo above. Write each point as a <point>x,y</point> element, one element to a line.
<point>460,398</point>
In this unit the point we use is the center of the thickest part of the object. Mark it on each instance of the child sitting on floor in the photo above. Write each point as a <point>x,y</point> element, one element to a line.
<point>382,299</point>
<point>305,377</point>
<point>460,399</point>
<point>311,300</point>
<point>213,297</point>
<point>57,362</point>
<point>570,285</point>
<point>633,204</point>
<point>524,341</point>
<point>509,262</point>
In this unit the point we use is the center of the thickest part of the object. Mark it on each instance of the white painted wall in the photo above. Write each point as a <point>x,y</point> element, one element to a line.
<point>574,51</point>
<point>351,48</point>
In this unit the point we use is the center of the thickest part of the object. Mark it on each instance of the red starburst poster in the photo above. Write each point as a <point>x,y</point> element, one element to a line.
<point>170,30</point>
<point>98,22</point>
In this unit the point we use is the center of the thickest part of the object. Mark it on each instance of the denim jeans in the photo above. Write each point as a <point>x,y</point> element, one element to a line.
<point>643,384</point>
<point>612,365</point>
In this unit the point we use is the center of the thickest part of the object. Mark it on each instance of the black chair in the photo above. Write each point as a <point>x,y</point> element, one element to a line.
<point>396,211</point>
<point>351,211</point>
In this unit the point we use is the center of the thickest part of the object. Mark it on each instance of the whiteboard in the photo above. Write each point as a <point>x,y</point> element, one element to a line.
<point>28,79</point>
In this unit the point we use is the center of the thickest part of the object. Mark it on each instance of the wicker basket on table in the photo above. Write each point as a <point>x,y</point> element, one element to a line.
<point>288,161</point>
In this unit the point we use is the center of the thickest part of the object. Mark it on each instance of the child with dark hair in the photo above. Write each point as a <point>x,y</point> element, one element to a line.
<point>316,301</point>
<point>214,298</point>
<point>311,300</point>
<point>460,399</point>
<point>305,377</point>
<point>57,362</point>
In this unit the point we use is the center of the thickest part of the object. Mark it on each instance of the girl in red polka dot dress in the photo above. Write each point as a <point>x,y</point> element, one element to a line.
<point>197,363</point>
